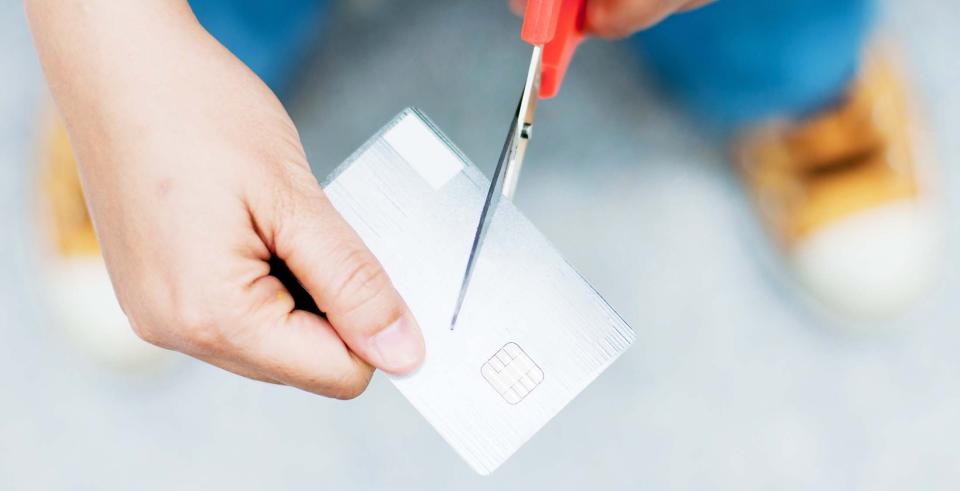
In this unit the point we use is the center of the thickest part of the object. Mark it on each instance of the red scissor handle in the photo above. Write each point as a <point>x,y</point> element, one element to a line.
<point>558,25</point>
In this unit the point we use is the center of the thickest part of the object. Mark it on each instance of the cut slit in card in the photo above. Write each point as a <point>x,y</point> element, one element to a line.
<point>532,333</point>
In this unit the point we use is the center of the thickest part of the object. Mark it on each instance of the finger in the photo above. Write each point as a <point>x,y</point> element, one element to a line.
<point>236,368</point>
<point>294,347</point>
<point>347,282</point>
<point>621,18</point>
<point>302,350</point>
<point>518,6</point>
<point>695,4</point>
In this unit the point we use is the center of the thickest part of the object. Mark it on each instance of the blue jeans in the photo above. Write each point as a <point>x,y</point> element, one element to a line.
<point>271,36</point>
<point>731,63</point>
<point>735,62</point>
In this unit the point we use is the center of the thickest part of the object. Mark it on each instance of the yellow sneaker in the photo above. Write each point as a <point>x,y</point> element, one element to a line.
<point>80,294</point>
<point>844,196</point>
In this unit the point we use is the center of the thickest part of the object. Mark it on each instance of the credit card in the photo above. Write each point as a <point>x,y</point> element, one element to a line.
<point>532,333</point>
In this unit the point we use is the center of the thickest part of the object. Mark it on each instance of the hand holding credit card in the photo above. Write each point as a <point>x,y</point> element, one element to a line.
<point>534,333</point>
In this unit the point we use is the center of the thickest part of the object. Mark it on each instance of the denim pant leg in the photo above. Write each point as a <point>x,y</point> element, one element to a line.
<point>271,36</point>
<point>736,62</point>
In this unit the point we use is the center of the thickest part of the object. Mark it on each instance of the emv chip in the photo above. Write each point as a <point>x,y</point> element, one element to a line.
<point>512,373</point>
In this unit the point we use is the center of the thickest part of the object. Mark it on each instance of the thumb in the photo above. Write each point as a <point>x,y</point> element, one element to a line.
<point>347,282</point>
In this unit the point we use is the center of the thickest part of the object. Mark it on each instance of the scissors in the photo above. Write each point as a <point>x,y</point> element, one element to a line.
<point>555,29</point>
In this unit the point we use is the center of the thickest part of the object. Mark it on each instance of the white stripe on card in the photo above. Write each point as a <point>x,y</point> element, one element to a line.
<point>426,153</point>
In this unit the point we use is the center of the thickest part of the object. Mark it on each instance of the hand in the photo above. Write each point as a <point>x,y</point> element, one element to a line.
<point>197,182</point>
<point>614,19</point>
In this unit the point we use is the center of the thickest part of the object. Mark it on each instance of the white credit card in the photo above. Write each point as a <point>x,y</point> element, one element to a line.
<point>532,333</point>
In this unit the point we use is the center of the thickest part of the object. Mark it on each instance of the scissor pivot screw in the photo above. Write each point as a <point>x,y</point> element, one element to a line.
<point>525,132</point>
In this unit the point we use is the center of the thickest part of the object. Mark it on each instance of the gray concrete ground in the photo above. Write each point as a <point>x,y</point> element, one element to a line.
<point>731,385</point>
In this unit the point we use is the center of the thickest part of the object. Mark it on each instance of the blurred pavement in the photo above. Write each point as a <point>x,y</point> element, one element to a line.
<point>732,383</point>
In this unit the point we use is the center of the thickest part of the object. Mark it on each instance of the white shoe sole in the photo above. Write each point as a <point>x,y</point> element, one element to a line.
<point>873,264</point>
<point>84,304</point>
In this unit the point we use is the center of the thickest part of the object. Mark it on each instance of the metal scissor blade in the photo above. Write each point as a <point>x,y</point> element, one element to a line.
<point>493,198</point>
<point>508,168</point>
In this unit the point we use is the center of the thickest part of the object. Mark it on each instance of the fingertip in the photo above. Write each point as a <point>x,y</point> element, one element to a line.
<point>597,18</point>
<point>619,19</point>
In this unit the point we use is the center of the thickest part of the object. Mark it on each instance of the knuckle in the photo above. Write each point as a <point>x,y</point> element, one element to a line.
<point>148,334</point>
<point>293,201</point>
<point>296,187</point>
<point>361,281</point>
<point>181,313</point>
<point>199,329</point>
<point>350,384</point>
